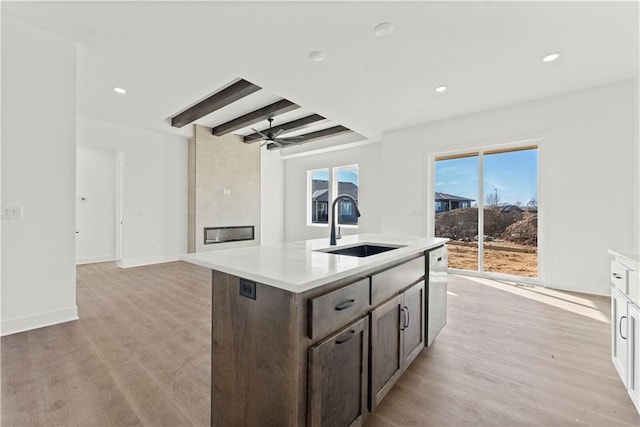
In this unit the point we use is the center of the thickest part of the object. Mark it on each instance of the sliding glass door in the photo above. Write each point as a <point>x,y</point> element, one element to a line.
<point>456,205</point>
<point>486,203</point>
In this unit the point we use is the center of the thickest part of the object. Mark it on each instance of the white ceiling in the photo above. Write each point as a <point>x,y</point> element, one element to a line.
<point>168,55</point>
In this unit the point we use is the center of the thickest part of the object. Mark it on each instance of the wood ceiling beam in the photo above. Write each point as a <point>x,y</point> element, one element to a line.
<point>279,107</point>
<point>293,125</point>
<point>312,136</point>
<point>226,96</point>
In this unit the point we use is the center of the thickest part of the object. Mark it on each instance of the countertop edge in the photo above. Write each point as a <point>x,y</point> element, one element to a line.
<point>629,258</point>
<point>387,259</point>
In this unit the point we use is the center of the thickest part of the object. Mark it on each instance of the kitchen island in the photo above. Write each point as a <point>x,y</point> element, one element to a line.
<point>301,336</point>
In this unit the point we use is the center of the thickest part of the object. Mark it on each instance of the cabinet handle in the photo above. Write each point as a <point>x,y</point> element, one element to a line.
<point>350,335</point>
<point>407,316</point>
<point>439,259</point>
<point>620,327</point>
<point>345,304</point>
<point>617,276</point>
<point>403,317</point>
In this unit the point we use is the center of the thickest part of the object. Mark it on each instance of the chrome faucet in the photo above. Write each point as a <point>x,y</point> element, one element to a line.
<point>332,240</point>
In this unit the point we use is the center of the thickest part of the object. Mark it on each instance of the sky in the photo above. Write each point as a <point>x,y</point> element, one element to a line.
<point>513,174</point>
<point>345,174</point>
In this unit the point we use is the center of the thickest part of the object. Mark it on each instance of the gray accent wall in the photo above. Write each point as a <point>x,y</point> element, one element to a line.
<point>224,187</point>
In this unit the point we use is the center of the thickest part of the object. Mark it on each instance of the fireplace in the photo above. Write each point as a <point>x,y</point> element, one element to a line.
<point>228,234</point>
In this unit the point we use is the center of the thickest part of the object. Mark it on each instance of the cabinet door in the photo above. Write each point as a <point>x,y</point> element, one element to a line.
<point>619,333</point>
<point>633,354</point>
<point>413,328</point>
<point>386,349</point>
<point>338,377</point>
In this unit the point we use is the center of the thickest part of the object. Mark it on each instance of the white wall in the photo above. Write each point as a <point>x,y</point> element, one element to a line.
<point>636,137</point>
<point>38,173</point>
<point>95,205</point>
<point>154,189</point>
<point>588,194</point>
<point>271,197</point>
<point>370,198</point>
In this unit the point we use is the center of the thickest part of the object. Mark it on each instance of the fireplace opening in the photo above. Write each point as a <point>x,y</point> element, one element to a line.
<point>228,234</point>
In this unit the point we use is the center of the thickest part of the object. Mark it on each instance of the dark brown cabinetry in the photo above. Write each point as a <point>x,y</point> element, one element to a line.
<point>324,357</point>
<point>413,329</point>
<point>386,349</point>
<point>397,337</point>
<point>338,372</point>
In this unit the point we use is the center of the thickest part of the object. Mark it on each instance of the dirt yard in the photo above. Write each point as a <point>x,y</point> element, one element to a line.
<point>507,258</point>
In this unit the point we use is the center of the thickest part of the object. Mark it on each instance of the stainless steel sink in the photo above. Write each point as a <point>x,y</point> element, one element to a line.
<point>364,250</point>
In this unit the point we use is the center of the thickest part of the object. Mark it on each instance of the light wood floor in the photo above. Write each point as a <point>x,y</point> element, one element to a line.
<point>140,355</point>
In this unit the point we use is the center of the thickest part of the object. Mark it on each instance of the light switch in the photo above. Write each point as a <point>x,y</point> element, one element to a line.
<point>11,212</point>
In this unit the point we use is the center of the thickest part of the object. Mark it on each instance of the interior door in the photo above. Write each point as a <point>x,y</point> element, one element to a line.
<point>95,205</point>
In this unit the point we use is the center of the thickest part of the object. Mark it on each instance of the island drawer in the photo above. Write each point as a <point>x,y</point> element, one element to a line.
<point>391,282</point>
<point>333,310</point>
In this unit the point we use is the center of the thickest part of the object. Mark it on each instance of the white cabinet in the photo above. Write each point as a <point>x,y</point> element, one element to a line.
<point>619,333</point>
<point>633,353</point>
<point>625,322</point>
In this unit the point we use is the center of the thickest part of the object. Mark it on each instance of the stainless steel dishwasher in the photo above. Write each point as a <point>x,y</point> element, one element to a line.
<point>436,293</point>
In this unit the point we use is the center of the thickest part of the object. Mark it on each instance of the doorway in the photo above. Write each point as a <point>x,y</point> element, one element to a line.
<point>98,204</point>
<point>486,203</point>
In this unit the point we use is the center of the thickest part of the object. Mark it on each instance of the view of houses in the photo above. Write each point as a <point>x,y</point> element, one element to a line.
<point>320,201</point>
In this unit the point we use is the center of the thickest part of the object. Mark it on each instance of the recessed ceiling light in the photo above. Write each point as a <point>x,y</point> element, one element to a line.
<point>383,29</point>
<point>551,57</point>
<point>317,56</point>
<point>441,89</point>
<point>119,90</point>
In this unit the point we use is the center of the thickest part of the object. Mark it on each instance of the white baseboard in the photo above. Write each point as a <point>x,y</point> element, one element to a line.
<point>92,259</point>
<point>584,288</point>
<point>127,263</point>
<point>21,324</point>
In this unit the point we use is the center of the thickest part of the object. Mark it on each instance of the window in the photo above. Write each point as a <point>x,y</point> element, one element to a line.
<point>346,178</point>
<point>323,185</point>
<point>319,195</point>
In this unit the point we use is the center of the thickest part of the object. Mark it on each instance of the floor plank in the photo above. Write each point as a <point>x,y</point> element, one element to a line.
<point>140,355</point>
<point>513,356</point>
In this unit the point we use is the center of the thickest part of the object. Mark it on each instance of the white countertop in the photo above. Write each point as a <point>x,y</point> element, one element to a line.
<point>297,267</point>
<point>630,258</point>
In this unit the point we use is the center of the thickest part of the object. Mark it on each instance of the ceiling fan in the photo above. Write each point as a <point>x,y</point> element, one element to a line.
<point>270,137</point>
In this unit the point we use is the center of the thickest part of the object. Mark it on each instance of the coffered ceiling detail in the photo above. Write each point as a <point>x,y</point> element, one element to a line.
<point>251,125</point>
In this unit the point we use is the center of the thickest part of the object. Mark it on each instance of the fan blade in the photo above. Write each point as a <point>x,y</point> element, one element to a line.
<point>278,133</point>
<point>259,133</point>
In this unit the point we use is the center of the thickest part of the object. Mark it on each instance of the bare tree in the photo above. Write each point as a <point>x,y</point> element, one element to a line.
<point>533,202</point>
<point>492,199</point>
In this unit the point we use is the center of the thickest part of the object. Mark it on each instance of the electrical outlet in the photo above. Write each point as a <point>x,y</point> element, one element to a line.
<point>248,289</point>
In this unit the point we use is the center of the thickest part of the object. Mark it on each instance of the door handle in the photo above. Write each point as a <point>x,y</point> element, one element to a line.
<point>402,319</point>
<point>350,335</point>
<point>407,315</point>
<point>620,327</point>
<point>345,304</point>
